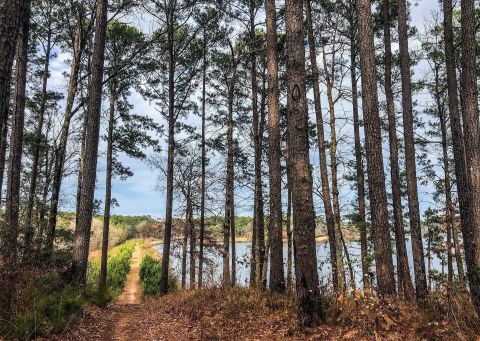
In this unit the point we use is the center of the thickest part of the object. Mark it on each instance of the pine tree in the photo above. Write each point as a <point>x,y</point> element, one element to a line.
<point>336,258</point>
<point>403,270</point>
<point>310,305</point>
<point>12,209</point>
<point>85,209</point>
<point>277,280</point>
<point>373,146</point>
<point>471,129</point>
<point>412,190</point>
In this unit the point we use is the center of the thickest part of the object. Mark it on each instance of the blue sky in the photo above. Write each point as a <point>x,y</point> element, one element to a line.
<point>139,194</point>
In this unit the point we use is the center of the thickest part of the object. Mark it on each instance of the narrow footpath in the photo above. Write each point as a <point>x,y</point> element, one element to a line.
<point>132,293</point>
<point>131,297</point>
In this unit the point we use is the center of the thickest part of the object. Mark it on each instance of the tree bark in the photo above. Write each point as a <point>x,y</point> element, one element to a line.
<point>10,23</point>
<point>309,299</point>
<point>471,233</point>
<point>3,151</point>
<point>455,127</point>
<point>289,240</point>
<point>85,209</point>
<point>277,276</point>
<point>335,255</point>
<point>412,190</point>
<point>360,176</point>
<point>373,146</point>
<point>405,285</point>
<point>12,209</point>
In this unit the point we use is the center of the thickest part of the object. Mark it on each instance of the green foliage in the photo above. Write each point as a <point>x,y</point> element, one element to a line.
<point>118,266</point>
<point>150,270</point>
<point>130,224</point>
<point>243,225</point>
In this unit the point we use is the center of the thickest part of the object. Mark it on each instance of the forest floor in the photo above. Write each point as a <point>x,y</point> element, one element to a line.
<point>246,314</point>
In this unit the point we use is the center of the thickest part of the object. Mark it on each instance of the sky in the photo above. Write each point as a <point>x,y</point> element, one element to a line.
<point>139,194</point>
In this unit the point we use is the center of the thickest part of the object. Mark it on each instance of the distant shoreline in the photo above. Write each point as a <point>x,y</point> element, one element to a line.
<point>318,240</point>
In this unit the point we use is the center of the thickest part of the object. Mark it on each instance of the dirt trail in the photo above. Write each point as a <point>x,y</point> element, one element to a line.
<point>132,293</point>
<point>131,297</point>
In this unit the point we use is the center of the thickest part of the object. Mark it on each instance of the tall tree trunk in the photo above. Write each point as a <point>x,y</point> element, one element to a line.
<point>449,210</point>
<point>233,273</point>
<point>405,285</point>
<point>458,256</point>
<point>253,257</point>
<point>191,233</point>
<point>85,210</point>
<point>171,153</point>
<point>10,23</point>
<point>3,151</point>
<point>329,76</point>
<point>81,163</point>
<point>335,258</point>
<point>43,206</point>
<point>360,176</point>
<point>289,240</point>
<point>12,209</point>
<point>373,146</point>
<point>456,129</point>
<point>412,190</point>
<point>78,49</point>
<point>353,284</point>
<point>229,185</point>
<point>36,147</point>
<point>277,276</point>
<point>257,138</point>
<point>429,257</point>
<point>204,162</point>
<point>309,299</point>
<point>108,190</point>
<point>471,233</point>
<point>184,248</point>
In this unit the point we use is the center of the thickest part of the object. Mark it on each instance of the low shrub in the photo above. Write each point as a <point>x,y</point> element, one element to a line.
<point>150,270</point>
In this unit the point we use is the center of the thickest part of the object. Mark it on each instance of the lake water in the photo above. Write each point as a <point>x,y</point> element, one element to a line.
<point>213,266</point>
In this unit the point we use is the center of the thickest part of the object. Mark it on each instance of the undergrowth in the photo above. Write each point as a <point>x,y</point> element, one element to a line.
<point>150,270</point>
<point>50,307</point>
